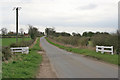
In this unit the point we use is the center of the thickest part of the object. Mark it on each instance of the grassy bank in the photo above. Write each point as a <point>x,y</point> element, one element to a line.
<point>23,65</point>
<point>113,59</point>
<point>8,41</point>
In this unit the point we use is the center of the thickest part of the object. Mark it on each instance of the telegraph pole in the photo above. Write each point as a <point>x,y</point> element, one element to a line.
<point>16,24</point>
<point>16,8</point>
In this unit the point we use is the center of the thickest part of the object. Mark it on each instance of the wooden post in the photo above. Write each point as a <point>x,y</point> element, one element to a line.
<point>16,24</point>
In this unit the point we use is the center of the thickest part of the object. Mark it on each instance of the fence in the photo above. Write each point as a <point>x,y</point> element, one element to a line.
<point>20,49</point>
<point>104,49</point>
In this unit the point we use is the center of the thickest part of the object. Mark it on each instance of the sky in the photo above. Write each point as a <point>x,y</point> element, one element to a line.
<point>64,15</point>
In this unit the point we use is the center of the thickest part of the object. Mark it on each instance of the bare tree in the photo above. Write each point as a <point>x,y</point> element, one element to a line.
<point>21,31</point>
<point>33,32</point>
<point>4,31</point>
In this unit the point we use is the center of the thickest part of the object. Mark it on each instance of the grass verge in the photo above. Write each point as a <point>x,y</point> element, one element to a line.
<point>8,41</point>
<point>113,59</point>
<point>23,65</point>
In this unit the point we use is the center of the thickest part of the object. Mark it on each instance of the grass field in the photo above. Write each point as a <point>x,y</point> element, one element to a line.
<point>8,41</point>
<point>23,65</point>
<point>104,57</point>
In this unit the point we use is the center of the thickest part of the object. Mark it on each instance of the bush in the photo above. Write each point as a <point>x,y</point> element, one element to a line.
<point>105,40</point>
<point>83,41</point>
<point>72,40</point>
<point>6,53</point>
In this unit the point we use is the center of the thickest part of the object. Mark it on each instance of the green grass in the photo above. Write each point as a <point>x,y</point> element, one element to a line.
<point>24,65</point>
<point>113,59</point>
<point>8,41</point>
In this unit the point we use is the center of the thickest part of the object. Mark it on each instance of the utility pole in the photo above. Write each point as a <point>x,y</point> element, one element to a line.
<point>16,8</point>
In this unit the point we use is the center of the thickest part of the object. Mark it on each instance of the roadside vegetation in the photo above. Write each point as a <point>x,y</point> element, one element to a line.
<point>85,44</point>
<point>18,65</point>
<point>8,41</point>
<point>23,65</point>
<point>24,40</point>
<point>89,53</point>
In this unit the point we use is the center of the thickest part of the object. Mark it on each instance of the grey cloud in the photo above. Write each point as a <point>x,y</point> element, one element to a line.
<point>88,7</point>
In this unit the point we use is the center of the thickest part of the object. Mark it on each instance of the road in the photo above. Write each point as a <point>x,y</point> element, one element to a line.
<point>71,65</point>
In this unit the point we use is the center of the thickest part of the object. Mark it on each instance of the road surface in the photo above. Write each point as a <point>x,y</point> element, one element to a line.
<point>70,65</point>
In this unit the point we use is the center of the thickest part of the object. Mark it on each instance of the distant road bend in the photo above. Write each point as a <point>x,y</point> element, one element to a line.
<point>68,65</point>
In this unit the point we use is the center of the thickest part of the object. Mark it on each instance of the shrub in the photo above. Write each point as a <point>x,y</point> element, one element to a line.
<point>6,53</point>
<point>105,40</point>
<point>72,40</point>
<point>83,41</point>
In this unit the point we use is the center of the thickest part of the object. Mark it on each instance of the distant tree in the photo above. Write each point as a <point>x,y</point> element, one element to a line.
<point>50,31</point>
<point>21,31</point>
<point>104,33</point>
<point>76,34</point>
<point>10,33</point>
<point>4,31</point>
<point>97,33</point>
<point>84,34</point>
<point>73,34</point>
<point>65,34</point>
<point>33,32</point>
<point>90,34</point>
<point>40,34</point>
<point>46,31</point>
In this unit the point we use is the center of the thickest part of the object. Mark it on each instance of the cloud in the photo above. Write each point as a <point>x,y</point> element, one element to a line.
<point>66,13</point>
<point>88,7</point>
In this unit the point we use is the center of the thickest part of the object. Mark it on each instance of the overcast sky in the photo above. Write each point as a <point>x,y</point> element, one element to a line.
<point>64,15</point>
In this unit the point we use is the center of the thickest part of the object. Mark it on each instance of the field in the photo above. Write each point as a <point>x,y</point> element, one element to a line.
<point>8,41</point>
<point>113,59</point>
<point>23,65</point>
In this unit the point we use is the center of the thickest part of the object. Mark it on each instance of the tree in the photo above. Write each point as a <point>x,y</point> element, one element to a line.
<point>33,32</point>
<point>50,31</point>
<point>46,31</point>
<point>90,34</point>
<point>4,31</point>
<point>84,34</point>
<point>65,34</point>
<point>76,34</point>
<point>21,31</point>
<point>10,33</point>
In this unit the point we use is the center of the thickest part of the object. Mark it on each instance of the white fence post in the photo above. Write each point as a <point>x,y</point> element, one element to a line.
<point>96,48</point>
<point>112,50</point>
<point>102,47</point>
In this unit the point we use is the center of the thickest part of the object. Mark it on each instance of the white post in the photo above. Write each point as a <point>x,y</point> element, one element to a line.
<point>96,48</point>
<point>102,47</point>
<point>112,50</point>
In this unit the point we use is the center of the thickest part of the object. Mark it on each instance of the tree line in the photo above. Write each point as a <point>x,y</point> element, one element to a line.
<point>52,32</point>
<point>33,32</point>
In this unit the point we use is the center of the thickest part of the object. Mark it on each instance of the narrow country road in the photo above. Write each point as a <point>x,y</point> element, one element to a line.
<point>69,65</point>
